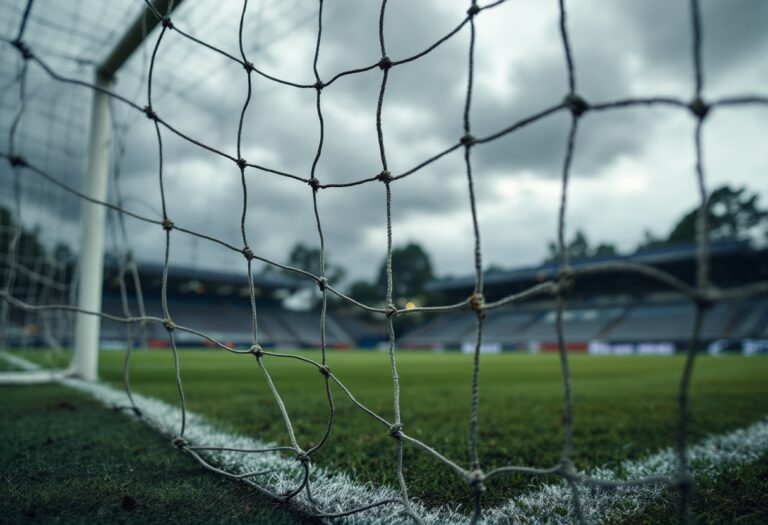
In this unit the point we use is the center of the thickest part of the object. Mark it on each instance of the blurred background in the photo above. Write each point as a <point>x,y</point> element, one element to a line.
<point>632,193</point>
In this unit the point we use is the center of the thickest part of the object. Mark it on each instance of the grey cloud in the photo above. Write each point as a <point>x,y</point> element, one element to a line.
<point>732,32</point>
<point>202,94</point>
<point>539,147</point>
<point>433,86</point>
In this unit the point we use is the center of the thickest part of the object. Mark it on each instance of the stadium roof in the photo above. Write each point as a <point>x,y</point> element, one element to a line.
<point>653,257</point>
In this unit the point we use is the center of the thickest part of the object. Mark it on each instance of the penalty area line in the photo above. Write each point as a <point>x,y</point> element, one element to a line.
<point>335,491</point>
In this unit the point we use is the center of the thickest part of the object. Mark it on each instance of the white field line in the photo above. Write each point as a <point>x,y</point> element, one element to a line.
<point>336,491</point>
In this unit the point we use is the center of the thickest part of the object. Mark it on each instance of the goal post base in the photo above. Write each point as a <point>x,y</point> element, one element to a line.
<point>34,377</point>
<point>32,374</point>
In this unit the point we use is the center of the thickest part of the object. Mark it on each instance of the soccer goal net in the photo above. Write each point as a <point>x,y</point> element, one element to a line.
<point>92,91</point>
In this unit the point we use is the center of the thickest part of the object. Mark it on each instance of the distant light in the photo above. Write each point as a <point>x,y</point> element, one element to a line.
<point>410,305</point>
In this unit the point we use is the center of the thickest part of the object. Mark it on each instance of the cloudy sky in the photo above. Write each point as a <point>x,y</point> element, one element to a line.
<point>632,171</point>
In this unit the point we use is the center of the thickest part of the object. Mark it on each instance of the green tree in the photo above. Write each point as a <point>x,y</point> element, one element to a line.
<point>650,241</point>
<point>731,214</point>
<point>494,268</point>
<point>62,253</point>
<point>307,258</point>
<point>365,292</point>
<point>411,271</point>
<point>28,245</point>
<point>7,229</point>
<point>29,250</point>
<point>604,250</point>
<point>579,248</point>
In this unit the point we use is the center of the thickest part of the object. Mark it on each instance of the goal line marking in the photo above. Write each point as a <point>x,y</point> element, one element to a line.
<point>336,491</point>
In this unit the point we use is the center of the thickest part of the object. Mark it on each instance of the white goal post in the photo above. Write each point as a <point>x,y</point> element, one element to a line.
<point>304,487</point>
<point>85,359</point>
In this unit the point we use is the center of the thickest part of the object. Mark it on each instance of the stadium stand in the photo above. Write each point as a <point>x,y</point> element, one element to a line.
<point>213,302</point>
<point>306,327</point>
<point>751,319</point>
<point>446,330</point>
<point>629,311</point>
<point>504,326</point>
<point>365,333</point>
<point>582,323</point>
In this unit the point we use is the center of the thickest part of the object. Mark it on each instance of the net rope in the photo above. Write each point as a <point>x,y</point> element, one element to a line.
<point>703,294</point>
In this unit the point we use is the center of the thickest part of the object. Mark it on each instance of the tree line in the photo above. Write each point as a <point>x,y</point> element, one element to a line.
<point>733,213</point>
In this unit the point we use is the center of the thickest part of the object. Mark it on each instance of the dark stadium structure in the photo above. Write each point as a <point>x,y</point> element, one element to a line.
<point>609,312</point>
<point>217,304</point>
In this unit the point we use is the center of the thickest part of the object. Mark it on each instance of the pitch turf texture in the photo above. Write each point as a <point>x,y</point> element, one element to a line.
<point>625,408</point>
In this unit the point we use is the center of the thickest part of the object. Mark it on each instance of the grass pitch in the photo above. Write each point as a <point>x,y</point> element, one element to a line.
<point>625,408</point>
<point>69,459</point>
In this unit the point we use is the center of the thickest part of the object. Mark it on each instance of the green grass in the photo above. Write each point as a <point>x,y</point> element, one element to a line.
<point>739,497</point>
<point>68,459</point>
<point>625,408</point>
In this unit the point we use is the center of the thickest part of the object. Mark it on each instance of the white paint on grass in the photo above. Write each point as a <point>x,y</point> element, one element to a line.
<point>337,492</point>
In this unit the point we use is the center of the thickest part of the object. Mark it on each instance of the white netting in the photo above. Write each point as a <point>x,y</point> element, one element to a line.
<point>31,173</point>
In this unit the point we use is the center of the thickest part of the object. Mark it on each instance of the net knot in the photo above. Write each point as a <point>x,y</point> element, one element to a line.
<point>17,161</point>
<point>476,302</point>
<point>257,350</point>
<point>699,108</point>
<point>241,163</point>
<point>169,325</point>
<point>395,430</point>
<point>167,224</point>
<point>166,21</point>
<point>322,283</point>
<point>472,11</point>
<point>567,469</point>
<point>577,105</point>
<point>390,310</point>
<point>326,371</point>
<point>180,442</point>
<point>303,458</point>
<point>385,177</point>
<point>385,63</point>
<point>248,66</point>
<point>318,85</point>
<point>248,253</point>
<point>565,282</point>
<point>476,479</point>
<point>150,113</point>
<point>23,49</point>
<point>468,140</point>
<point>314,183</point>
